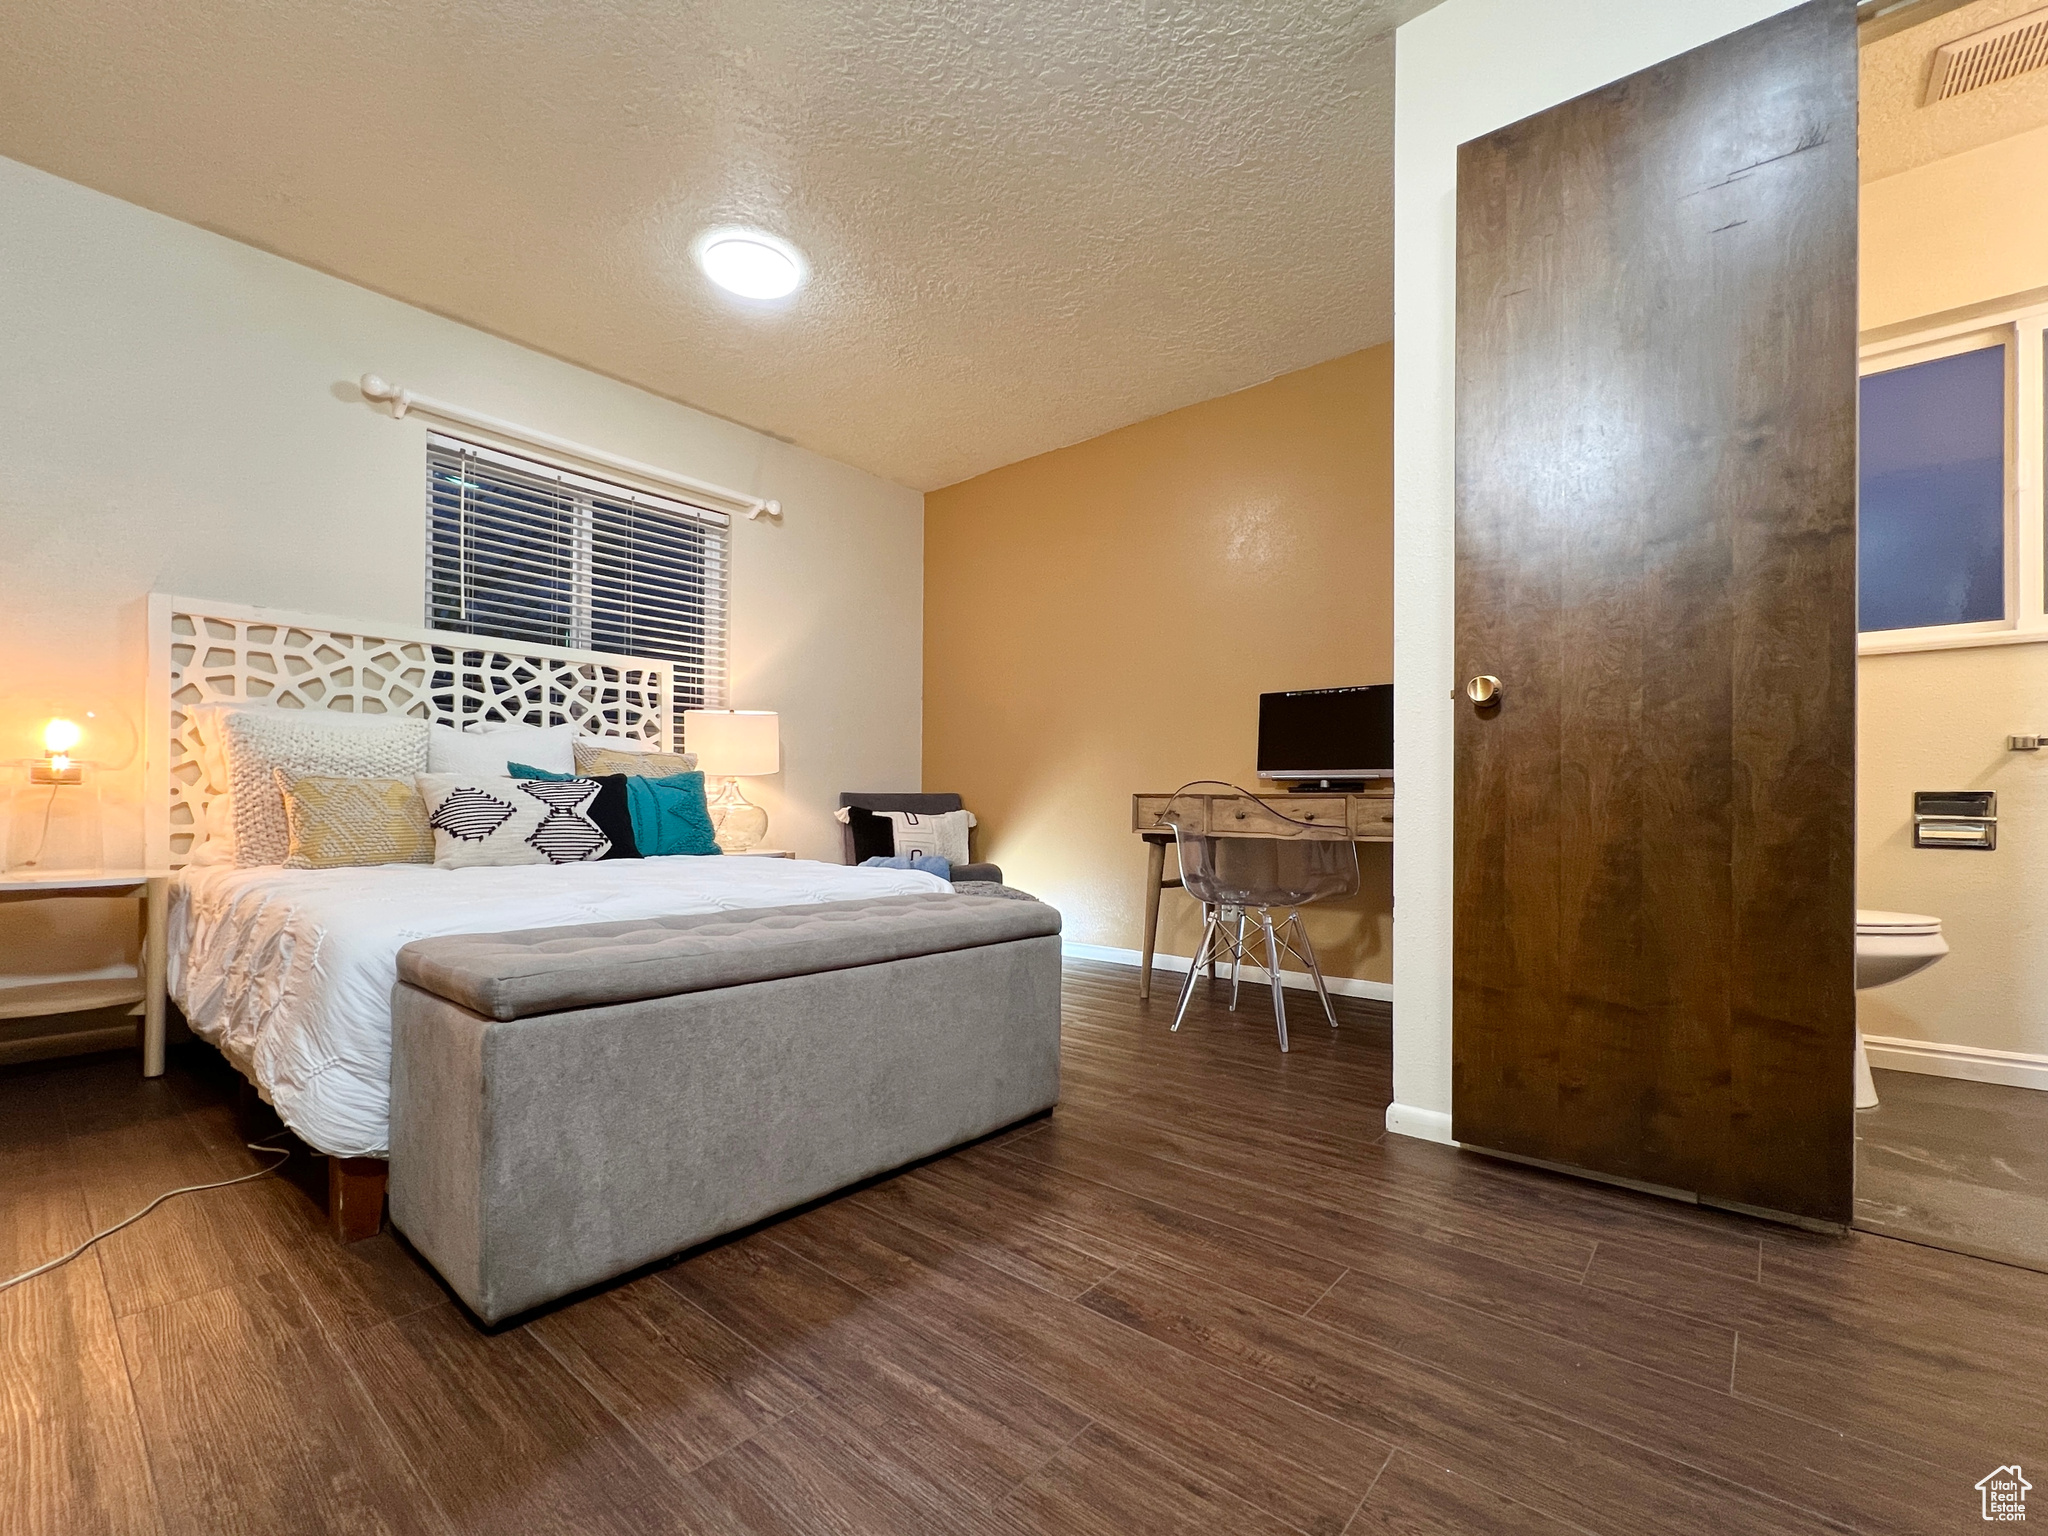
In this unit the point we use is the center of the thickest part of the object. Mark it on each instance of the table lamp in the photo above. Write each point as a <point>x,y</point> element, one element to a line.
<point>732,744</point>
<point>57,815</point>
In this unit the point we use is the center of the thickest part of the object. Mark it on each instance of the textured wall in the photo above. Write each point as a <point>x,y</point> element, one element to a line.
<point>180,417</point>
<point>1101,621</point>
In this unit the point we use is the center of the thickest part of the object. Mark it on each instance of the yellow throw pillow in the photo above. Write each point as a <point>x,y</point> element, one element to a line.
<point>594,761</point>
<point>339,823</point>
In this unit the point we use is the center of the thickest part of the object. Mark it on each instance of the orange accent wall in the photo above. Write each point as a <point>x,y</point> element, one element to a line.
<point>1101,620</point>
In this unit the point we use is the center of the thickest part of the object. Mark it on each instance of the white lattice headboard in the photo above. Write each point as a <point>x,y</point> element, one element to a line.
<point>203,652</point>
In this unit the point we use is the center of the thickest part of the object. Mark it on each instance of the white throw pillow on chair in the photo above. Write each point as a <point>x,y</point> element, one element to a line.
<point>939,836</point>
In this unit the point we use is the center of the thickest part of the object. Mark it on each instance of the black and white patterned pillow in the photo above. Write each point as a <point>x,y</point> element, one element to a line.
<point>491,821</point>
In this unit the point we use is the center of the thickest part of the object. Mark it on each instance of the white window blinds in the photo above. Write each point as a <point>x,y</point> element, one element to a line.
<point>521,550</point>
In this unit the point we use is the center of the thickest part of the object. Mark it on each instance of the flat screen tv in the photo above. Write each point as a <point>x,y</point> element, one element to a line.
<point>1327,733</point>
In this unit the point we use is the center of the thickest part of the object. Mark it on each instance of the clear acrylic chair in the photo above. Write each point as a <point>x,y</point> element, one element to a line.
<point>1240,882</point>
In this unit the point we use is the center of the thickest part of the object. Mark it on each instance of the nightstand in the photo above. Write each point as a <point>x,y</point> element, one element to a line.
<point>145,989</point>
<point>763,853</point>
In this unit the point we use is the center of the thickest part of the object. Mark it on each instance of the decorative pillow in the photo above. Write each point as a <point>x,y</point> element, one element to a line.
<point>674,812</point>
<point>495,821</point>
<point>338,823</point>
<point>874,837</point>
<point>322,742</point>
<point>593,758</point>
<point>611,810</point>
<point>943,836</point>
<point>665,817</point>
<point>215,843</point>
<point>485,750</point>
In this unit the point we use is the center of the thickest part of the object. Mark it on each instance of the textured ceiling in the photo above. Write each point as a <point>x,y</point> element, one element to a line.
<point>1899,132</point>
<point>1028,222</point>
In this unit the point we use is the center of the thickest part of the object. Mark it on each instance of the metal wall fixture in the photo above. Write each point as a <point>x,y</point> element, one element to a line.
<point>1963,818</point>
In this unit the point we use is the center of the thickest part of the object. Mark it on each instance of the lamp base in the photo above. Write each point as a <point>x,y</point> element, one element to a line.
<point>736,822</point>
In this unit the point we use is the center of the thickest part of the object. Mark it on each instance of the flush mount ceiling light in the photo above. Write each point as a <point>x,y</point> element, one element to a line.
<point>750,264</point>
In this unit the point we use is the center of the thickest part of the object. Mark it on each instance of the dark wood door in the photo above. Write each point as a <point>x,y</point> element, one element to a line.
<point>1656,397</point>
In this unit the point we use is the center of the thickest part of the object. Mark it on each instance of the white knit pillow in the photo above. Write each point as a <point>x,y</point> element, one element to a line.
<point>215,843</point>
<point>258,742</point>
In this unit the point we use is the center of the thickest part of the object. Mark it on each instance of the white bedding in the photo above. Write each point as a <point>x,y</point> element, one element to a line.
<point>292,969</point>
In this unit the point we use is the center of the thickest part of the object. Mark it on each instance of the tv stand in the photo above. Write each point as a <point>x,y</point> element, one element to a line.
<point>1327,787</point>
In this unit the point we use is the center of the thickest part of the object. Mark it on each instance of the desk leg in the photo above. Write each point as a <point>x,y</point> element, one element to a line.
<point>1155,877</point>
<point>156,907</point>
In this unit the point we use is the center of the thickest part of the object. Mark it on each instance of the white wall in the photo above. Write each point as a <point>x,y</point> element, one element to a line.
<point>177,413</point>
<point>1461,70</point>
<point>1956,231</point>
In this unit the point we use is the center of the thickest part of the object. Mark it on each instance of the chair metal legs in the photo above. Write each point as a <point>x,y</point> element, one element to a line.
<point>1223,937</point>
<point>1212,938</point>
<point>1307,956</point>
<point>1273,974</point>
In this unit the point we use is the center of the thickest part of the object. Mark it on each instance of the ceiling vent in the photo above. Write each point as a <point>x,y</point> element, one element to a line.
<point>1987,57</point>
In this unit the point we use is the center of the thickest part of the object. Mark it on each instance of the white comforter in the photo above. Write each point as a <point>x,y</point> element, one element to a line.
<point>292,969</point>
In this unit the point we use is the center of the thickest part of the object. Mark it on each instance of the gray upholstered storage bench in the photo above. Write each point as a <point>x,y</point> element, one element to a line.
<point>570,1103</point>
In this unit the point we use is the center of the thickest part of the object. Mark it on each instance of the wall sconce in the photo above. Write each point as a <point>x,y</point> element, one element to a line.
<point>735,743</point>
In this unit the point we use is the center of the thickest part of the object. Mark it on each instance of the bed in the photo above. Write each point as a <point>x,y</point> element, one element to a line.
<point>290,972</point>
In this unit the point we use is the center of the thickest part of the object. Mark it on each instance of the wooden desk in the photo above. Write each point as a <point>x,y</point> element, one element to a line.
<point>1364,816</point>
<point>144,990</point>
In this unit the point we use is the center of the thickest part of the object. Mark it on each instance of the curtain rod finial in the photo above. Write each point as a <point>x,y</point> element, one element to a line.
<point>375,387</point>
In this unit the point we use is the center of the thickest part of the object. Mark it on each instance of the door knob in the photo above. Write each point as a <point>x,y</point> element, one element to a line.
<point>1483,689</point>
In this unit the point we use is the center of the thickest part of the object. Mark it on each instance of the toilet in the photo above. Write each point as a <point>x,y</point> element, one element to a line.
<point>1890,946</point>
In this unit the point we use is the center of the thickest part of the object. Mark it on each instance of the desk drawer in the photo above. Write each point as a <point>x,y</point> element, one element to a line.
<point>1366,817</point>
<point>1146,809</point>
<point>1248,818</point>
<point>1372,817</point>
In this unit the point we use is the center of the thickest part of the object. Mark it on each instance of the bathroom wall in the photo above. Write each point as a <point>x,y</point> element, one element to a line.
<point>1963,230</point>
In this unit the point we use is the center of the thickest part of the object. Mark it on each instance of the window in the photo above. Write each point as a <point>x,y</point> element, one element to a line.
<point>521,550</point>
<point>1950,540</point>
<point>1931,497</point>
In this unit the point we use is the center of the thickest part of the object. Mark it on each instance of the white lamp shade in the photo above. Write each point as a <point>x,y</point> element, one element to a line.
<point>734,743</point>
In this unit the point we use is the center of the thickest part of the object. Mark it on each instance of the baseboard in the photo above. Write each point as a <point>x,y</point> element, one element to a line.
<point>1343,986</point>
<point>1422,1124</point>
<point>1930,1058</point>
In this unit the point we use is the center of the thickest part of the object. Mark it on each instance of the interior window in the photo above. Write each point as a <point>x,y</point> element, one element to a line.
<point>1931,523</point>
<point>522,550</point>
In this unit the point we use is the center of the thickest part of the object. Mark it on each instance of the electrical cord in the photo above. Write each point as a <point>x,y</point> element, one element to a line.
<point>1236,789</point>
<point>284,1156</point>
<point>42,842</point>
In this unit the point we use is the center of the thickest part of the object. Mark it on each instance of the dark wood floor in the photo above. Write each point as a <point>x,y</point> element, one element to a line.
<point>1207,1295</point>
<point>1956,1164</point>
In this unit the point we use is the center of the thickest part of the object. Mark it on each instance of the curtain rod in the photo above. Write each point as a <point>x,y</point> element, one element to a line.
<point>401,401</point>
